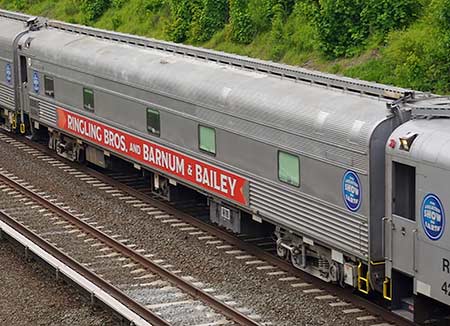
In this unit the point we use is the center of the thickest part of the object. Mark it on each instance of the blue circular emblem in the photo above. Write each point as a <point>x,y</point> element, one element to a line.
<point>351,191</point>
<point>8,73</point>
<point>433,217</point>
<point>36,82</point>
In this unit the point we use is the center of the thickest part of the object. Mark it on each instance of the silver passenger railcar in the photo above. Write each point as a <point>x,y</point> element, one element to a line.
<point>306,157</point>
<point>10,32</point>
<point>417,242</point>
<point>309,159</point>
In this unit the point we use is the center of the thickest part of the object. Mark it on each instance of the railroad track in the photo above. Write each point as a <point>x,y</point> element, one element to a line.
<point>132,191</point>
<point>151,293</point>
<point>195,208</point>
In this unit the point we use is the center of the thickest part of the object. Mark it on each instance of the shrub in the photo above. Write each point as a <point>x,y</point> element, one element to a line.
<point>340,27</point>
<point>242,27</point>
<point>277,33</point>
<point>344,25</point>
<point>152,5</point>
<point>383,16</point>
<point>211,18</point>
<point>93,9</point>
<point>178,29</point>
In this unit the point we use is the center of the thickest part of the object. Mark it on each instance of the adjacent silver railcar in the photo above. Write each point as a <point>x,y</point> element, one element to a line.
<point>417,242</point>
<point>308,158</point>
<point>10,32</point>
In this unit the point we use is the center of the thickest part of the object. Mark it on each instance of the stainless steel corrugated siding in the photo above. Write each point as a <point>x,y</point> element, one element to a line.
<point>313,218</point>
<point>7,96</point>
<point>47,113</point>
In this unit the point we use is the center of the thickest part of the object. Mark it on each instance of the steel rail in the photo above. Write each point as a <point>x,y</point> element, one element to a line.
<point>342,293</point>
<point>271,68</point>
<point>211,301</point>
<point>117,294</point>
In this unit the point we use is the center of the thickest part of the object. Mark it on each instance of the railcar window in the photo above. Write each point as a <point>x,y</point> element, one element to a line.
<point>153,121</point>
<point>88,99</point>
<point>289,169</point>
<point>207,139</point>
<point>49,86</point>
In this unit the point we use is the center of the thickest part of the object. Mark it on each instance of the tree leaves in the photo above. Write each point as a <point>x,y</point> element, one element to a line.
<point>93,9</point>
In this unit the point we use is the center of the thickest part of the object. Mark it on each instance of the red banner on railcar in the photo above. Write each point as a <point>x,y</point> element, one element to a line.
<point>198,173</point>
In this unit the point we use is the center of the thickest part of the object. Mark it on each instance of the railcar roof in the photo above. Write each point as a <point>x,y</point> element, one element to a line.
<point>282,104</point>
<point>9,28</point>
<point>432,144</point>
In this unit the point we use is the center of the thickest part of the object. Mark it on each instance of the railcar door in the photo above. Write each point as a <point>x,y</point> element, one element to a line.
<point>403,225</point>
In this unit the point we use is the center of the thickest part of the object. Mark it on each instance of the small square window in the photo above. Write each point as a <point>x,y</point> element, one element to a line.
<point>153,121</point>
<point>49,86</point>
<point>289,169</point>
<point>207,139</point>
<point>88,99</point>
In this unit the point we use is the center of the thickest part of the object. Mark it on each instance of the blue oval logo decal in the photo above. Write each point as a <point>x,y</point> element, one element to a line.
<point>433,217</point>
<point>8,73</point>
<point>351,191</point>
<point>36,82</point>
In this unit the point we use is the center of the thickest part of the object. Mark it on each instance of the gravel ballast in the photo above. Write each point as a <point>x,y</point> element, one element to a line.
<point>264,294</point>
<point>31,296</point>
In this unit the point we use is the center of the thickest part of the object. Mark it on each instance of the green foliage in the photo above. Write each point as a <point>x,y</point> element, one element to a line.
<point>400,42</point>
<point>277,33</point>
<point>20,4</point>
<point>242,27</point>
<point>345,25</point>
<point>211,19</point>
<point>196,19</point>
<point>383,16</point>
<point>181,19</point>
<point>261,14</point>
<point>341,29</point>
<point>117,4</point>
<point>300,33</point>
<point>152,5</point>
<point>93,9</point>
<point>417,57</point>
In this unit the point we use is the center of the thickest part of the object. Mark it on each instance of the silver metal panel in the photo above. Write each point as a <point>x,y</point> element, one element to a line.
<point>403,235</point>
<point>47,112</point>
<point>432,272</point>
<point>6,96</point>
<point>9,28</point>
<point>432,145</point>
<point>313,218</point>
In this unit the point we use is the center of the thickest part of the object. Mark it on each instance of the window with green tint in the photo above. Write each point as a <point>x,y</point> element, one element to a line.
<point>88,99</point>
<point>153,121</point>
<point>207,139</point>
<point>289,168</point>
